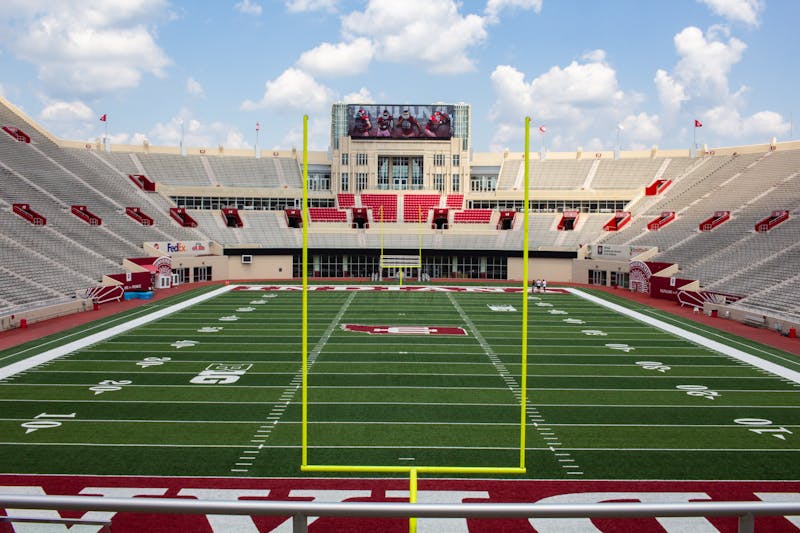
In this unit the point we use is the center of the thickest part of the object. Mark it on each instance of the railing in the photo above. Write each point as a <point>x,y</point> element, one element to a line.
<point>300,511</point>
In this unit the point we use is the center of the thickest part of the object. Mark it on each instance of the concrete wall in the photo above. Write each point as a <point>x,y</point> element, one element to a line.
<point>12,321</point>
<point>778,324</point>
<point>277,267</point>
<point>540,268</point>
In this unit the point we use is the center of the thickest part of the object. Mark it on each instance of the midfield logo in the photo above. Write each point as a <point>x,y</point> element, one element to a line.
<point>404,330</point>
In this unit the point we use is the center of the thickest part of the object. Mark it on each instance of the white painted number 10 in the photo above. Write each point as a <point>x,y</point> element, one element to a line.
<point>779,432</point>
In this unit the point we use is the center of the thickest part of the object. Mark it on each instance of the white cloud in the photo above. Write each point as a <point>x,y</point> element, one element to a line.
<point>319,131</point>
<point>67,111</point>
<point>431,33</point>
<point>86,48</point>
<point>670,92</point>
<point>363,96</point>
<point>727,122</point>
<point>494,7</point>
<point>299,6</point>
<point>640,131</point>
<point>594,56</point>
<point>194,87</point>
<point>248,8</point>
<point>583,99</point>
<point>747,11</point>
<point>195,133</point>
<point>138,138</point>
<point>293,89</point>
<point>705,61</point>
<point>338,59</point>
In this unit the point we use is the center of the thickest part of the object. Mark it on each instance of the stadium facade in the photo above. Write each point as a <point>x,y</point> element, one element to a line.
<point>400,183</point>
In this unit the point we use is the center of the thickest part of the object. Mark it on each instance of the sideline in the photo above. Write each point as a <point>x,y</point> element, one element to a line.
<point>49,355</point>
<point>693,337</point>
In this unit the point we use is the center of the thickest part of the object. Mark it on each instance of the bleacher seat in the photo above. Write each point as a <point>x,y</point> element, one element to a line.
<point>345,200</point>
<point>383,205</point>
<point>417,206</point>
<point>327,214</point>
<point>473,216</point>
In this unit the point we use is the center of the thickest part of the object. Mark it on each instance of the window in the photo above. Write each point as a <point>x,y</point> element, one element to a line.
<point>202,273</point>
<point>483,183</point>
<point>183,274</point>
<point>345,182</point>
<point>361,181</point>
<point>330,266</point>
<point>438,182</point>
<point>496,267</point>
<point>361,159</point>
<point>400,173</point>
<point>416,173</point>
<point>456,160</point>
<point>469,267</point>
<point>437,266</point>
<point>620,279</point>
<point>597,277</point>
<point>438,160</point>
<point>383,172</point>
<point>319,182</point>
<point>456,184</point>
<point>345,158</point>
<point>363,266</point>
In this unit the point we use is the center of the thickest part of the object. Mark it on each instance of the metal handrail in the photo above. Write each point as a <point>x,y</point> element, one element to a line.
<point>745,510</point>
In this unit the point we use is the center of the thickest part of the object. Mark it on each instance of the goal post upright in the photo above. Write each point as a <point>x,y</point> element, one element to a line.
<point>304,267</point>
<point>525,247</point>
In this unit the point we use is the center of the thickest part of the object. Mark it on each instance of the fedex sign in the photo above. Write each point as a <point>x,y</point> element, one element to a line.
<point>181,247</point>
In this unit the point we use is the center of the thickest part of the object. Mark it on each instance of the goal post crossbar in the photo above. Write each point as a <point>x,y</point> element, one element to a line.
<point>401,261</point>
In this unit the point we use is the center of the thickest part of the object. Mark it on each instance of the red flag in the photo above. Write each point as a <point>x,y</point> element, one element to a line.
<point>103,118</point>
<point>698,124</point>
<point>542,129</point>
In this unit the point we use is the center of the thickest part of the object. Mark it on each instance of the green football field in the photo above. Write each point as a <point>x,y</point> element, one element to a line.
<point>400,378</point>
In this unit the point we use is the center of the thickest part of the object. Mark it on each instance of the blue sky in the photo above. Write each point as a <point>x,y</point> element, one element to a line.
<point>592,72</point>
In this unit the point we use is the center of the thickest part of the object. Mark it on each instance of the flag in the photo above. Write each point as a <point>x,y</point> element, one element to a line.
<point>542,129</point>
<point>698,124</point>
<point>258,126</point>
<point>103,118</point>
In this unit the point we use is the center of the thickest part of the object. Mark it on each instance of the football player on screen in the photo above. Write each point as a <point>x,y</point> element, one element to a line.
<point>407,126</point>
<point>385,124</point>
<point>362,124</point>
<point>438,125</point>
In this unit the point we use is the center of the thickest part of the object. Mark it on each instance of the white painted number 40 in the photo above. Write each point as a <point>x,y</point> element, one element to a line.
<point>45,421</point>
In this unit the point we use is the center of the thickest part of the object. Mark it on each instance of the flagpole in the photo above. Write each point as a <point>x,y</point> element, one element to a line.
<point>542,147</point>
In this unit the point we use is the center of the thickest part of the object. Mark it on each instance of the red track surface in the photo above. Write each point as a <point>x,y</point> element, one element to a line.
<point>38,330</point>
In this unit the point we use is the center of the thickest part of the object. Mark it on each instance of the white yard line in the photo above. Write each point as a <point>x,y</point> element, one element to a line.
<point>49,355</point>
<point>740,355</point>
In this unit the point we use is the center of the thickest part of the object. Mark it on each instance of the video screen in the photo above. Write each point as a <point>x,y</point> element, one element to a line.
<point>392,121</point>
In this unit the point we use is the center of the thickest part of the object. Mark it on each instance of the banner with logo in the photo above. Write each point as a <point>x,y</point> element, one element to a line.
<point>181,247</point>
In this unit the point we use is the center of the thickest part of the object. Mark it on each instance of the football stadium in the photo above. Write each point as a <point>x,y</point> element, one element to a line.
<point>370,325</point>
